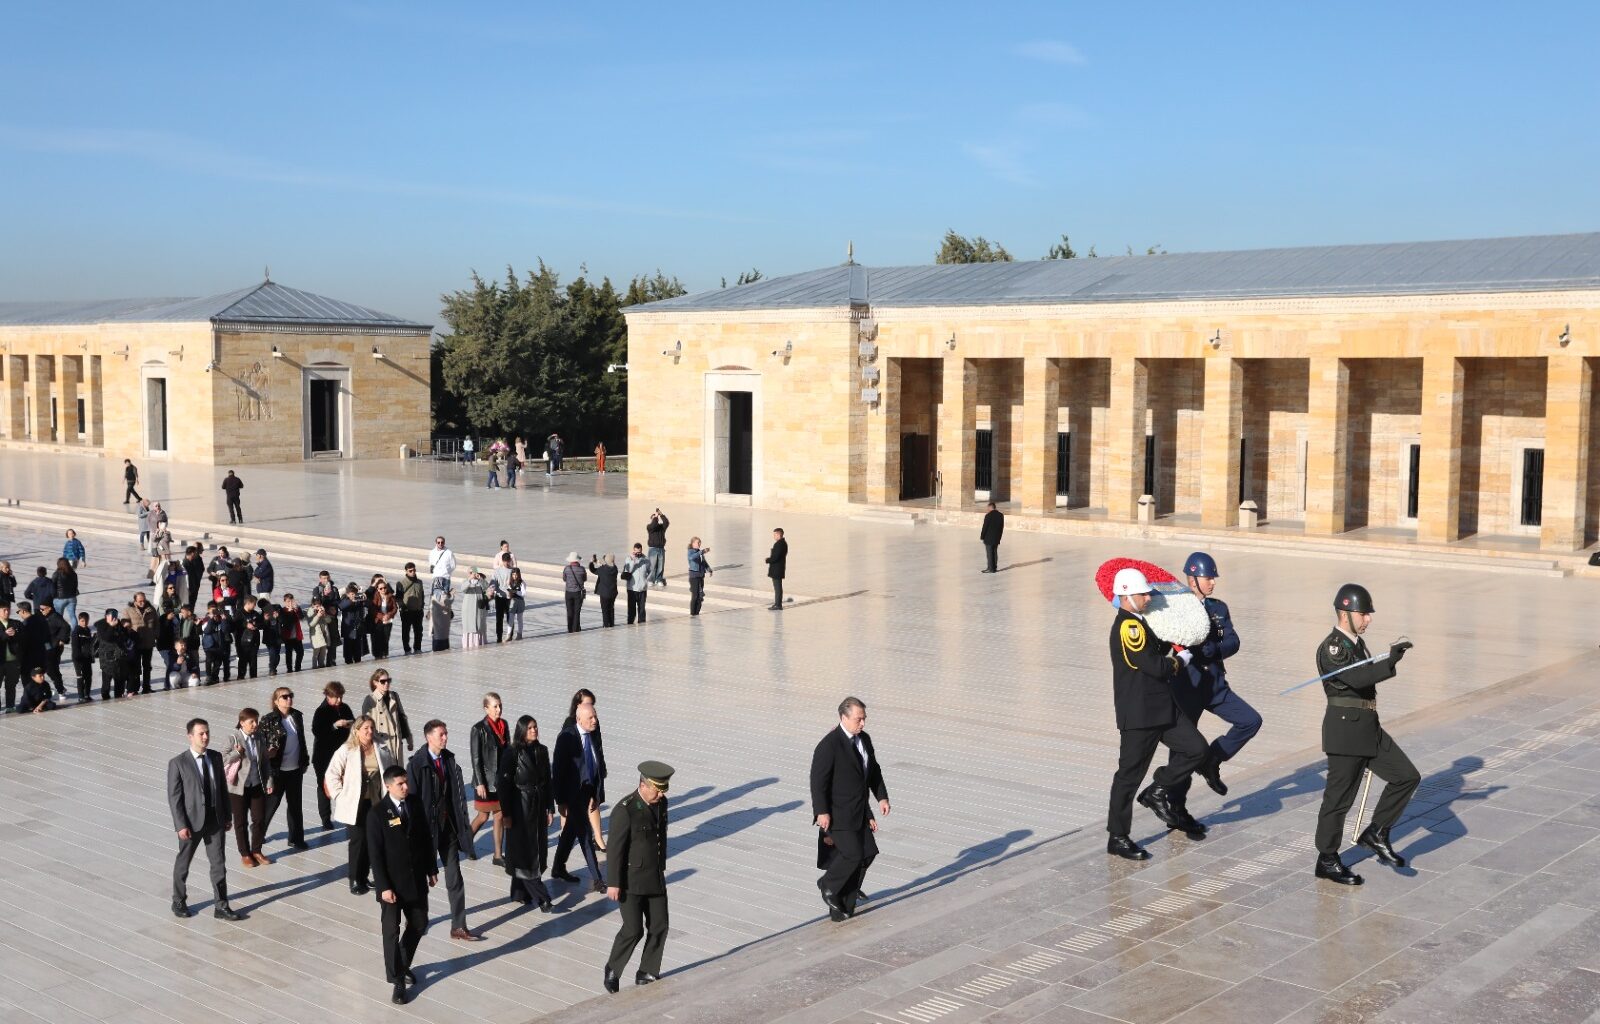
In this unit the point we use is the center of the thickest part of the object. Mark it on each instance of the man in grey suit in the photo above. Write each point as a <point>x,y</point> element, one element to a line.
<point>197,794</point>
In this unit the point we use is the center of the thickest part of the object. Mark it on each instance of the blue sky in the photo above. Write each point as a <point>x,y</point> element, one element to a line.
<point>379,152</point>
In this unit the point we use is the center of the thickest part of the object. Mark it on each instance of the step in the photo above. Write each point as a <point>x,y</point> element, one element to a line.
<point>887,517</point>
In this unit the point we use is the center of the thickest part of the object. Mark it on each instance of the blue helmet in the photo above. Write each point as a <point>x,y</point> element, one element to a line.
<point>1202,565</point>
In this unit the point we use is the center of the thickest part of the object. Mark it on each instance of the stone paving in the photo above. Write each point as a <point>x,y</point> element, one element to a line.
<point>990,706</point>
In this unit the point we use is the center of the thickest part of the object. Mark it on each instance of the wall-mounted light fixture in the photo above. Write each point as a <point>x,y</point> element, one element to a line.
<point>951,344</point>
<point>785,352</point>
<point>1565,338</point>
<point>1215,341</point>
<point>123,352</point>
<point>676,351</point>
<point>614,367</point>
<point>277,353</point>
<point>176,352</point>
<point>376,354</point>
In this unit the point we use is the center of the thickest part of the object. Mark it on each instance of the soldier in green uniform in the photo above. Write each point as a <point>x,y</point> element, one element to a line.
<point>636,875</point>
<point>1354,740</point>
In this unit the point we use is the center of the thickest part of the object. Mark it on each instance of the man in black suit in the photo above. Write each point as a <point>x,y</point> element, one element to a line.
<point>776,564</point>
<point>994,524</point>
<point>197,795</point>
<point>578,769</point>
<point>844,769</point>
<point>1143,667</point>
<point>403,872</point>
<point>435,780</point>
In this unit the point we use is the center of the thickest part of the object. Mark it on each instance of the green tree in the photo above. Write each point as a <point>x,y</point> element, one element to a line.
<point>1062,250</point>
<point>978,249</point>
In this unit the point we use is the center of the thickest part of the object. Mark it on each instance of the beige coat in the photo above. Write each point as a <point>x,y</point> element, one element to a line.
<point>343,779</point>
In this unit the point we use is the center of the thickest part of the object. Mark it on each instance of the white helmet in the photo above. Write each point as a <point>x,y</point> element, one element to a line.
<point>1130,581</point>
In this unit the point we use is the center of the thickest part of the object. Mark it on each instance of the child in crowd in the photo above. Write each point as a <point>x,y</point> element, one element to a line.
<point>272,636</point>
<point>83,656</point>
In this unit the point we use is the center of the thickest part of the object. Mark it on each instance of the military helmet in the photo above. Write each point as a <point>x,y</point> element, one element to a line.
<point>1353,597</point>
<point>1201,565</point>
<point>1130,581</point>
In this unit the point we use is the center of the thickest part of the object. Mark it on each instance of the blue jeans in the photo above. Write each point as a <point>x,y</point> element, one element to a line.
<point>658,565</point>
<point>494,479</point>
<point>67,608</point>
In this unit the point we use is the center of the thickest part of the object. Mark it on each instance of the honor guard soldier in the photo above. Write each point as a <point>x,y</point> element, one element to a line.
<point>1354,740</point>
<point>1143,668</point>
<point>1208,688</point>
<point>636,875</point>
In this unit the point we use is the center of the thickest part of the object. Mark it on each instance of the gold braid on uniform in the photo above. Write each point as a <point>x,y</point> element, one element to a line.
<point>1133,640</point>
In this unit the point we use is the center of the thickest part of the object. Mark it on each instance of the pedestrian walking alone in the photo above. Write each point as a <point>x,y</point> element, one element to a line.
<point>231,486</point>
<point>777,565</point>
<point>994,524</point>
<point>130,477</point>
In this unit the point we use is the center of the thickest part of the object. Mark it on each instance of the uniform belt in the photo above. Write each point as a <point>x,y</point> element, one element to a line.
<point>1352,702</point>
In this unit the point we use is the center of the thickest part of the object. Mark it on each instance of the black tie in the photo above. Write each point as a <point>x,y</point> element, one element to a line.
<point>205,781</point>
<point>402,809</point>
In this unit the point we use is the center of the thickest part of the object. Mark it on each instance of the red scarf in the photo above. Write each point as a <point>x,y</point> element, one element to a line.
<point>499,727</point>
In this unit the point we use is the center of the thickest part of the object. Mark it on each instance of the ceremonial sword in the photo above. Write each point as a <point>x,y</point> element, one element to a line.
<point>1330,675</point>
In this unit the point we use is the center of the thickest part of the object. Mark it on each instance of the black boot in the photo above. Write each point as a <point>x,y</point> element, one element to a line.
<point>1159,801</point>
<point>1122,846</point>
<point>612,982</point>
<point>1329,866</point>
<point>1377,840</point>
<point>221,910</point>
<point>1211,770</point>
<point>1191,826</point>
<point>642,978</point>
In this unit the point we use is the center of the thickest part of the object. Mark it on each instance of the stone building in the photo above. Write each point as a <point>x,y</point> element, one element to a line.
<point>263,374</point>
<point>1438,390</point>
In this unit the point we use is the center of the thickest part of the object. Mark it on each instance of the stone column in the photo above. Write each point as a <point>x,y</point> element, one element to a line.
<point>39,387</point>
<point>1439,491</point>
<point>96,404</point>
<point>15,411</point>
<point>883,437</point>
<point>958,432</point>
<point>71,380</point>
<point>1130,393</point>
<point>1224,426</point>
<point>1569,386</point>
<point>1041,410</point>
<point>1328,455</point>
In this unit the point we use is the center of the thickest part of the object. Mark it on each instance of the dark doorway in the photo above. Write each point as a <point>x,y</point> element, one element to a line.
<point>916,466</point>
<point>1532,486</point>
<point>983,474</point>
<point>1244,464</point>
<point>324,416</point>
<point>155,413</point>
<point>1150,465</point>
<point>1413,479</point>
<point>740,442</point>
<point>1063,464</point>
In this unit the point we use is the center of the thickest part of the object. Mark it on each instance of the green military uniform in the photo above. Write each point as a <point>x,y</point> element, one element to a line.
<point>1354,739</point>
<point>636,863</point>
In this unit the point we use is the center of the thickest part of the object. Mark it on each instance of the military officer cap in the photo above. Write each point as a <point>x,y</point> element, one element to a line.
<point>657,773</point>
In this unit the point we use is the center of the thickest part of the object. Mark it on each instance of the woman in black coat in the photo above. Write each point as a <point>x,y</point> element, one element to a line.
<point>529,806</point>
<point>330,727</point>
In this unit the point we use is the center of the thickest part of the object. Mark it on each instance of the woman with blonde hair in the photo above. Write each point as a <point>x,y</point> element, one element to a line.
<point>354,783</point>
<point>383,705</point>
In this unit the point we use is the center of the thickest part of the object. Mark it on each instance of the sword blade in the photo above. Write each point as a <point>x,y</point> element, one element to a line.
<point>1330,675</point>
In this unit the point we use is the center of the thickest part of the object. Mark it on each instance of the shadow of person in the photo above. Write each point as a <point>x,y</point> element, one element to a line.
<point>290,887</point>
<point>683,811</point>
<point>1271,798</point>
<point>726,825</point>
<point>1440,791</point>
<point>983,854</point>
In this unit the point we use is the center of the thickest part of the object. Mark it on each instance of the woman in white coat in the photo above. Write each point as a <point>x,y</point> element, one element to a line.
<point>354,781</point>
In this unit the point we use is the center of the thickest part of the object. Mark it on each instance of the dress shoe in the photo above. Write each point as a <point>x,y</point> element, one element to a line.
<point>644,979</point>
<point>464,935</point>
<point>598,845</point>
<point>261,859</point>
<point>399,997</point>
<point>223,912</point>
<point>563,875</point>
<point>355,888</point>
<point>836,911</point>
<point>1159,802</point>
<point>498,862</point>
<point>1190,826</point>
<point>544,906</point>
<point>247,861</point>
<point>181,910</point>
<point>597,886</point>
<point>612,982</point>
<point>409,978</point>
<point>472,852</point>
<point>1329,866</point>
<point>301,845</point>
<point>1377,840</point>
<point>1122,846</point>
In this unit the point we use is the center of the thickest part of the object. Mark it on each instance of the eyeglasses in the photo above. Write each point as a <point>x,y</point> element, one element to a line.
<point>385,679</point>
<point>287,696</point>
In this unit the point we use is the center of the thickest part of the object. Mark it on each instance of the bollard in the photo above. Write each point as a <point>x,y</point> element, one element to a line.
<point>1248,519</point>
<point>1147,508</point>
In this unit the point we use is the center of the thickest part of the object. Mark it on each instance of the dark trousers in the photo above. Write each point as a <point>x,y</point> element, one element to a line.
<point>194,593</point>
<point>274,655</point>
<point>214,838</point>
<point>450,859</point>
<point>992,553</point>
<point>532,887</point>
<point>352,648</point>
<point>144,668</point>
<point>286,789</point>
<point>777,593</point>
<point>125,679</point>
<point>608,609</point>
<point>84,668</point>
<point>11,672</point>
<point>131,494</point>
<point>216,665</point>
<point>1187,749</point>
<point>52,669</point>
<point>248,832</point>
<point>294,654</point>
<point>380,639</point>
<point>400,946</point>
<point>574,612</point>
<point>502,608</point>
<point>235,513</point>
<point>324,802</point>
<point>697,593</point>
<point>358,860</point>
<point>853,853</point>
<point>248,649</point>
<point>642,917</point>
<point>1244,722</point>
<point>411,630</point>
<point>575,829</point>
<point>636,599</point>
<point>1344,781</point>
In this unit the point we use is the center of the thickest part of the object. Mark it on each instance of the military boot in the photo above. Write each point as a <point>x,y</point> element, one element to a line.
<point>1377,840</point>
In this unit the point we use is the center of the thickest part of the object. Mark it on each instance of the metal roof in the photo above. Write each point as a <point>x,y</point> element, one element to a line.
<point>264,303</point>
<point>1533,263</point>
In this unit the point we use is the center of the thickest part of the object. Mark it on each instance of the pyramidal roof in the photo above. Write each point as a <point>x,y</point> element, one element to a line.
<point>1534,263</point>
<point>266,303</point>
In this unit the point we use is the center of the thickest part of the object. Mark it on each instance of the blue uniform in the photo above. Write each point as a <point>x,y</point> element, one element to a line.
<point>1207,689</point>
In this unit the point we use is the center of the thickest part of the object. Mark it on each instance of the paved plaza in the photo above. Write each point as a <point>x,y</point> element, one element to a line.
<point>989,704</point>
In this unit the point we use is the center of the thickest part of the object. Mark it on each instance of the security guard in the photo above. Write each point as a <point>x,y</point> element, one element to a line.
<point>1354,739</point>
<point>636,875</point>
<point>1208,688</point>
<point>1143,667</point>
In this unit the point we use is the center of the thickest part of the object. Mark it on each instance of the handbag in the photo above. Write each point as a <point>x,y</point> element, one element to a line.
<point>230,771</point>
